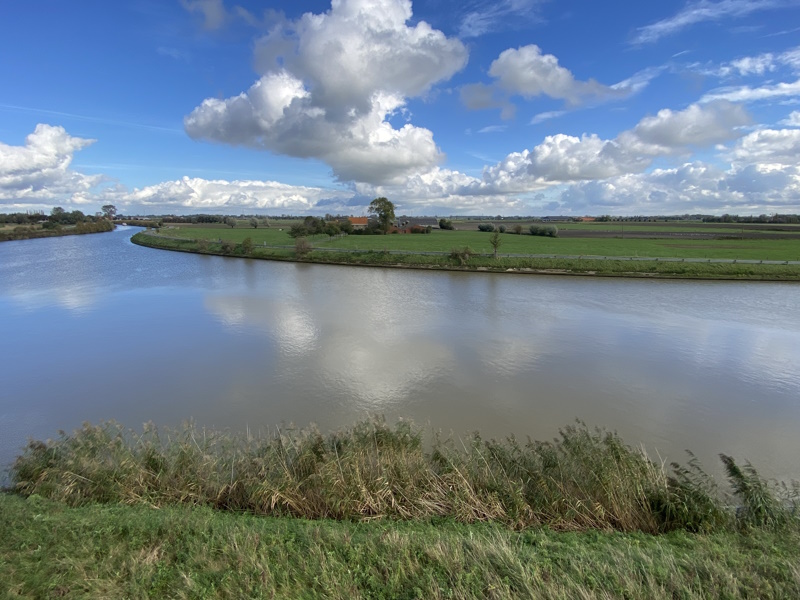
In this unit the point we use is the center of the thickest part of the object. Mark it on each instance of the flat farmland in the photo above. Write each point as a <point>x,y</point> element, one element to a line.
<point>784,247</point>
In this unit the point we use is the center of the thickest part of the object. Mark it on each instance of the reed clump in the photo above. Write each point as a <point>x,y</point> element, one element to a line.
<point>584,479</point>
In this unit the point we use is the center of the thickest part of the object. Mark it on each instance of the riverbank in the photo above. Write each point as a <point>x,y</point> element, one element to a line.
<point>26,232</point>
<point>115,551</point>
<point>376,511</point>
<point>461,260</point>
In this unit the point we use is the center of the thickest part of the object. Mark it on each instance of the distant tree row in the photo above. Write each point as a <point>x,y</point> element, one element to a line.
<point>776,218</point>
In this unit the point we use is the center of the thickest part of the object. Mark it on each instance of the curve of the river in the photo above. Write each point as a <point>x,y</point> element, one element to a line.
<point>94,328</point>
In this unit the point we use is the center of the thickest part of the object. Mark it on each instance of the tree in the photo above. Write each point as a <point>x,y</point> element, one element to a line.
<point>383,209</point>
<point>446,224</point>
<point>247,246</point>
<point>230,222</point>
<point>495,241</point>
<point>109,211</point>
<point>254,223</point>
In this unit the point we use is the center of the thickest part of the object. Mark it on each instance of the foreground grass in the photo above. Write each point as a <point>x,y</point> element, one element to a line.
<point>377,257</point>
<point>112,551</point>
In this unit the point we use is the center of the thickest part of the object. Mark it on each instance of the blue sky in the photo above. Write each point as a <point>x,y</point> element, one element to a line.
<point>528,107</point>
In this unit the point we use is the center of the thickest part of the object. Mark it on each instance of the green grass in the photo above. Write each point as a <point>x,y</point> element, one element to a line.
<point>271,235</point>
<point>111,551</point>
<point>444,241</point>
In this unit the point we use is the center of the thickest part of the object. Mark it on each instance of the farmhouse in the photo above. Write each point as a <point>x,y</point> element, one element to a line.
<point>358,222</point>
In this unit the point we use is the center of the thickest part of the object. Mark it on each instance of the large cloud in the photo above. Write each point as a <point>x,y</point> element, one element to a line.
<point>196,194</point>
<point>39,172</point>
<point>527,72</point>
<point>691,188</point>
<point>695,126</point>
<point>331,83</point>
<point>763,177</point>
<point>562,158</point>
<point>768,147</point>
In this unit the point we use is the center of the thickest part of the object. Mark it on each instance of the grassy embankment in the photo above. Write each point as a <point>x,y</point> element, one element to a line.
<point>393,517</point>
<point>25,232</point>
<point>379,250</point>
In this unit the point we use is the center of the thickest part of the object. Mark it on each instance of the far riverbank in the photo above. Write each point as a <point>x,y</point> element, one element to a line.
<point>27,232</point>
<point>465,260</point>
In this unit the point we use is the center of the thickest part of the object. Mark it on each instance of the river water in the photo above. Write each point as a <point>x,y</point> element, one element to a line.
<point>95,328</point>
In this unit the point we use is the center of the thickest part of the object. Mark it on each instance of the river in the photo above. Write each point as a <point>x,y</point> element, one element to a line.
<point>94,328</point>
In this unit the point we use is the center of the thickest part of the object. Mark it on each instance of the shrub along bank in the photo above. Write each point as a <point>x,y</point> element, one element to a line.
<point>585,479</point>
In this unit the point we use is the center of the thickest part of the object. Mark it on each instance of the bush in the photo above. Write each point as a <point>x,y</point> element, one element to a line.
<point>517,229</point>
<point>247,245</point>
<point>446,224</point>
<point>501,229</point>
<point>461,254</point>
<point>302,247</point>
<point>544,230</point>
<point>486,227</point>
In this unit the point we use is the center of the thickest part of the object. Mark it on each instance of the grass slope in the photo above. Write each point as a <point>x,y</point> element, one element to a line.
<point>48,550</point>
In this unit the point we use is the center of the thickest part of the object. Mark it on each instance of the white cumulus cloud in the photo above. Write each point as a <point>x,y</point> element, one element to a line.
<point>330,86</point>
<point>793,120</point>
<point>768,146</point>
<point>197,194</point>
<point>39,172</point>
<point>527,72</point>
<point>690,188</point>
<point>563,158</point>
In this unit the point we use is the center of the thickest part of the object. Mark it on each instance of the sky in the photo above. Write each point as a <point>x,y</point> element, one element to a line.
<point>446,107</point>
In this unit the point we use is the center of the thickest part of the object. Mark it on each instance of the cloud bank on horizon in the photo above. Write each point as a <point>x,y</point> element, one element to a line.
<point>446,108</point>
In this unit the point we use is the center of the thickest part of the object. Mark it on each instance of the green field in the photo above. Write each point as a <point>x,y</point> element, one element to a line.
<point>444,241</point>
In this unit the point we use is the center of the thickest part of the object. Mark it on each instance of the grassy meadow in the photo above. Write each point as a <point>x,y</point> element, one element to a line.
<point>375,511</point>
<point>404,251</point>
<point>444,241</point>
